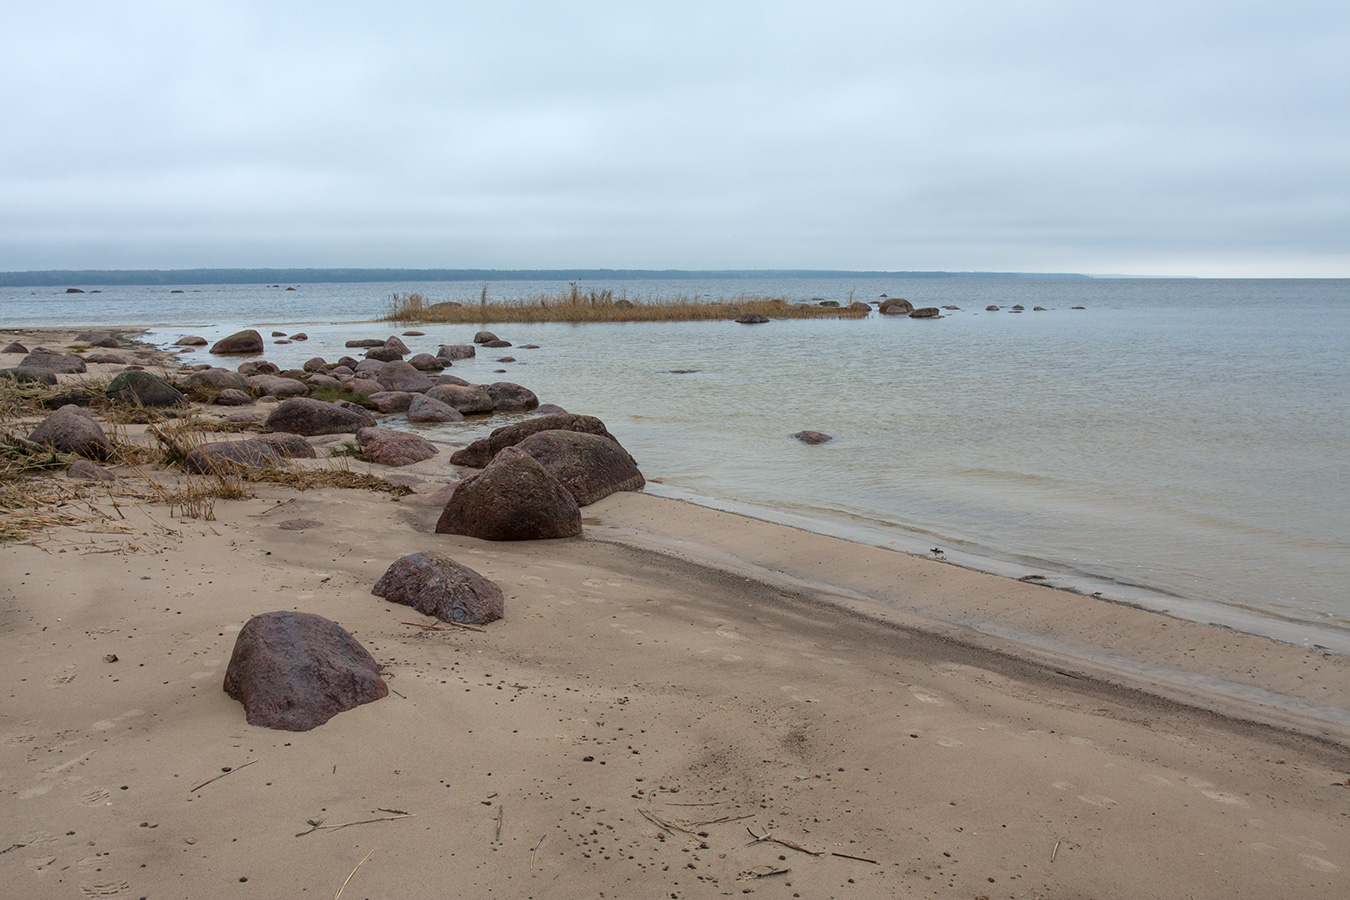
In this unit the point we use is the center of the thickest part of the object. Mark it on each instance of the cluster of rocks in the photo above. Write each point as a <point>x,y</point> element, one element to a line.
<point>417,386</point>
<point>293,671</point>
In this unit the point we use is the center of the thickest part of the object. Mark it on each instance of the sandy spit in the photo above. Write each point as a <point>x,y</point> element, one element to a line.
<point>682,703</point>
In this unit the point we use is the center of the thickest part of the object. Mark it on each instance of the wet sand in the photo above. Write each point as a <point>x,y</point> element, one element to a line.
<point>662,691</point>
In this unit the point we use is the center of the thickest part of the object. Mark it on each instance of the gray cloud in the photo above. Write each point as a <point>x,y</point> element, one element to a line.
<point>1146,138</point>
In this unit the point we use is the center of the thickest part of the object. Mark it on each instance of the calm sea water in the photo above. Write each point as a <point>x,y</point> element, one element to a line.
<point>1181,443</point>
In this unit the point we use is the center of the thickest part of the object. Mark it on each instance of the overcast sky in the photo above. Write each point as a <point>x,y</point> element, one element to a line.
<point>1180,137</point>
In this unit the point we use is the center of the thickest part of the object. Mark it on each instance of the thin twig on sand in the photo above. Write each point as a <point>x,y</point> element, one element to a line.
<point>443,628</point>
<point>221,775</point>
<point>534,849</point>
<point>768,838</point>
<point>858,858</point>
<point>361,822</point>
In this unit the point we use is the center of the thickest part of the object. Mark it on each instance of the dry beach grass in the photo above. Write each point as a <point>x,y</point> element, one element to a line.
<point>681,703</point>
<point>603,306</point>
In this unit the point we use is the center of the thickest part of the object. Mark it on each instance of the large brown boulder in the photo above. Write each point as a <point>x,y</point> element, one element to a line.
<point>144,389</point>
<point>29,376</point>
<point>277,386</point>
<point>401,376</point>
<point>394,448</point>
<point>428,411</point>
<point>457,351</point>
<point>384,354</point>
<point>435,585</point>
<point>263,452</point>
<point>56,363</point>
<point>896,306</point>
<point>259,367</point>
<point>307,416</point>
<point>294,671</point>
<point>241,343</point>
<point>72,430</point>
<point>513,499</point>
<point>222,457</point>
<point>926,312</point>
<point>216,378</point>
<point>483,337</point>
<point>510,397</point>
<point>468,399</point>
<point>589,466</point>
<point>481,451</point>
<point>425,362</point>
<point>391,401</point>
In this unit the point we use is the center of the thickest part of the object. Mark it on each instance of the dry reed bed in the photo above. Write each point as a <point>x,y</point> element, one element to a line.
<point>603,306</point>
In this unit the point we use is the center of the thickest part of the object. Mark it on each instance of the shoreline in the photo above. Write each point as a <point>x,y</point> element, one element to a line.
<point>675,676</point>
<point>1306,631</point>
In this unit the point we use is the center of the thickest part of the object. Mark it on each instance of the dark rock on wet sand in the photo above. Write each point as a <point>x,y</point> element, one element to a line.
<point>813,437</point>
<point>513,499</point>
<point>591,467</point>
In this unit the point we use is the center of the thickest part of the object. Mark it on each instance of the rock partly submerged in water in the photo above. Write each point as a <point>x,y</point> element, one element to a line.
<point>310,417</point>
<point>241,343</point>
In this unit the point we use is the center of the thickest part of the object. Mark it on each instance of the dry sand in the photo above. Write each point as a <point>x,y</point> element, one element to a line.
<point>661,691</point>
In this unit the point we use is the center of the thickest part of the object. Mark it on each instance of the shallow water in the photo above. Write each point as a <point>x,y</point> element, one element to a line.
<point>1177,440</point>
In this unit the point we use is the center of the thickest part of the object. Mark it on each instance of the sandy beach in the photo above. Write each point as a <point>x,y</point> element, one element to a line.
<point>681,703</point>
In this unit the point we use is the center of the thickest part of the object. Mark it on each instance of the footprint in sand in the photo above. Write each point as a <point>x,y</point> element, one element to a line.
<point>1100,800</point>
<point>950,743</point>
<point>1317,863</point>
<point>96,797</point>
<point>104,888</point>
<point>61,678</point>
<point>924,697</point>
<point>1225,798</point>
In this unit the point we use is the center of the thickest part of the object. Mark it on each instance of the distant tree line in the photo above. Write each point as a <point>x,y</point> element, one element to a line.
<point>107,277</point>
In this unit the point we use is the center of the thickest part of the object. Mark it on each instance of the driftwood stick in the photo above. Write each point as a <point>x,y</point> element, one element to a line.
<point>858,858</point>
<point>768,837</point>
<point>721,820</point>
<point>221,775</point>
<point>361,822</point>
<point>349,877</point>
<point>668,826</point>
<point>501,815</point>
<point>443,628</point>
